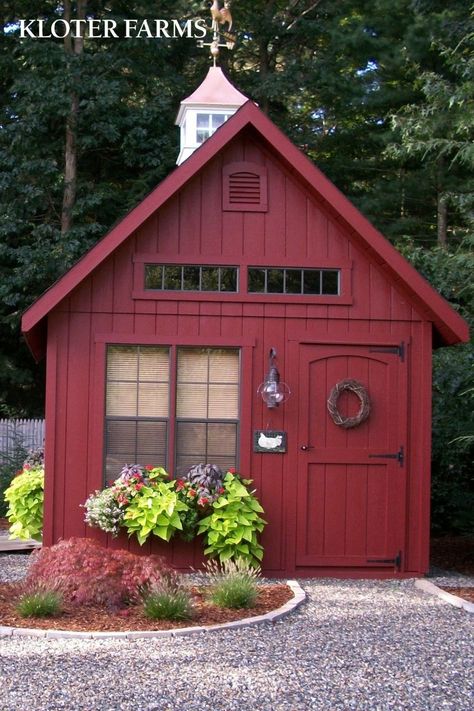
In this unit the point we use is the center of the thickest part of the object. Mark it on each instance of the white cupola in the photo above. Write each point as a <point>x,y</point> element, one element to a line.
<point>207,108</point>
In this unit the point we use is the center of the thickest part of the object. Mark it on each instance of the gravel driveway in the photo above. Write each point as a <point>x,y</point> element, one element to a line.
<point>353,645</point>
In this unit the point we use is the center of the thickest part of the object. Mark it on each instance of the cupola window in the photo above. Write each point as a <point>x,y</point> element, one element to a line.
<point>207,124</point>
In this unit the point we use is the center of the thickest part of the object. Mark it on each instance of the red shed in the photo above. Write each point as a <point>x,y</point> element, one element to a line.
<point>158,339</point>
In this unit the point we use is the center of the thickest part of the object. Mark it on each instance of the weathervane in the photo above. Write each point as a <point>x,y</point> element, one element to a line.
<point>221,15</point>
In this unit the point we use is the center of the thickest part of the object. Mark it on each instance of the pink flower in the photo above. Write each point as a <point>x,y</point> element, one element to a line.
<point>139,486</point>
<point>192,492</point>
<point>221,490</point>
<point>149,467</point>
<point>231,470</point>
<point>203,501</point>
<point>179,485</point>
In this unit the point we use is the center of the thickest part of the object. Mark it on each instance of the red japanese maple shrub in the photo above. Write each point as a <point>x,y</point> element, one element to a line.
<point>86,573</point>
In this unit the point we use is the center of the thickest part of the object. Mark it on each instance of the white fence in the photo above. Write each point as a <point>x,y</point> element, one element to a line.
<point>28,434</point>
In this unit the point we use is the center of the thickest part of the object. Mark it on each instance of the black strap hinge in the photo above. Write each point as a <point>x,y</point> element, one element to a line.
<point>400,456</point>
<point>396,562</point>
<point>398,350</point>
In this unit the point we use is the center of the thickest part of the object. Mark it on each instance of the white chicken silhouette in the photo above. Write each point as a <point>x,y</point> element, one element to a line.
<point>269,442</point>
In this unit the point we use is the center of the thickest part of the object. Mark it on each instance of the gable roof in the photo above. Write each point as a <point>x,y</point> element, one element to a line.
<point>450,327</point>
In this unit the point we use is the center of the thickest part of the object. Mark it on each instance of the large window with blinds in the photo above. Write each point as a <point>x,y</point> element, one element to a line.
<point>143,416</point>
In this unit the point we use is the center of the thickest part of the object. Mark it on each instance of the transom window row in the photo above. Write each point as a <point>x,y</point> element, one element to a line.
<point>174,277</point>
<point>261,280</point>
<point>293,281</point>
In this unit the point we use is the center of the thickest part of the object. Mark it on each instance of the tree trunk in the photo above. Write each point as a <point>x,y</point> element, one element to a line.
<point>72,47</point>
<point>442,208</point>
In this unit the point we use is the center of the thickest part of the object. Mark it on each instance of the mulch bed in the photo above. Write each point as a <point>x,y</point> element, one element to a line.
<point>465,593</point>
<point>83,618</point>
<point>454,553</point>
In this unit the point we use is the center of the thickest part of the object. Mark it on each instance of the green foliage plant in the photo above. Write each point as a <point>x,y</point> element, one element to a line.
<point>168,601</point>
<point>199,488</point>
<point>231,529</point>
<point>40,603</point>
<point>25,504</point>
<point>156,510</point>
<point>233,583</point>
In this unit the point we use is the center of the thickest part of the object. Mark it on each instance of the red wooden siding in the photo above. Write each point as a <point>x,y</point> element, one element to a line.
<point>297,230</point>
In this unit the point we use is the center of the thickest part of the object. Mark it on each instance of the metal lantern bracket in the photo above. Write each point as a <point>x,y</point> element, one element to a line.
<point>272,390</point>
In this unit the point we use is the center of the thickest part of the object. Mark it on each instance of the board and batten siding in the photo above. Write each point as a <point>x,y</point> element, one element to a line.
<point>112,306</point>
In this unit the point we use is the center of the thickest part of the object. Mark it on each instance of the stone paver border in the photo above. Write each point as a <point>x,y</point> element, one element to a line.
<point>432,589</point>
<point>299,596</point>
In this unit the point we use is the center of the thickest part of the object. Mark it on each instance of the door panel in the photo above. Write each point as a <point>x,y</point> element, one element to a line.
<point>351,502</point>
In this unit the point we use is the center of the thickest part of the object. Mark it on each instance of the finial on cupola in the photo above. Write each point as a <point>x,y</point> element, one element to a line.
<point>216,99</point>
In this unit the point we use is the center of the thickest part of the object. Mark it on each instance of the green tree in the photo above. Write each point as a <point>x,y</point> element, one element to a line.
<point>439,131</point>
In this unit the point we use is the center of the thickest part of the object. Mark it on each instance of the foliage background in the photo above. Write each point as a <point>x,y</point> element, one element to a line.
<point>379,94</point>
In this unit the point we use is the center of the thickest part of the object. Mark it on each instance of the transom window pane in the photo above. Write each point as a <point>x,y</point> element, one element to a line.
<point>174,277</point>
<point>274,280</point>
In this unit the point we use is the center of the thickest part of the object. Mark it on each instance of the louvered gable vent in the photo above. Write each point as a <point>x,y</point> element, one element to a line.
<point>245,187</point>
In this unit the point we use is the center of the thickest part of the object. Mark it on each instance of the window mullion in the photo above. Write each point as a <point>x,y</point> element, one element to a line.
<point>173,377</point>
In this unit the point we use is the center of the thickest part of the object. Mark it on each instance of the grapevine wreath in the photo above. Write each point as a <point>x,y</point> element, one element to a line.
<point>358,389</point>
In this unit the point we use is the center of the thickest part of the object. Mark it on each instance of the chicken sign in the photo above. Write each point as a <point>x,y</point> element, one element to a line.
<point>269,441</point>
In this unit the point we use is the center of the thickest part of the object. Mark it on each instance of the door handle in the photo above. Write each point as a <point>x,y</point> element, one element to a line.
<point>305,447</point>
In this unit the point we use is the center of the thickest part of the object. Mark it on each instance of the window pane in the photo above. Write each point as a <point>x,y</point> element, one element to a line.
<point>192,365</point>
<point>121,439</point>
<point>172,278</point>
<point>223,402</point>
<point>191,440</point>
<point>312,281</point>
<point>191,278</point>
<point>184,462</point>
<point>224,366</point>
<point>122,363</point>
<point>293,281</point>
<point>202,120</point>
<point>224,463</point>
<point>134,442</point>
<point>153,276</point>
<point>229,279</point>
<point>153,400</point>
<point>256,280</point>
<point>191,400</point>
<point>153,364</point>
<point>221,440</point>
<point>330,281</point>
<point>151,443</point>
<point>275,281</point>
<point>121,399</point>
<point>201,136</point>
<point>217,120</point>
<point>210,279</point>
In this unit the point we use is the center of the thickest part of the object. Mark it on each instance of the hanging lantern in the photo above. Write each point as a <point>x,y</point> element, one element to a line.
<point>272,390</point>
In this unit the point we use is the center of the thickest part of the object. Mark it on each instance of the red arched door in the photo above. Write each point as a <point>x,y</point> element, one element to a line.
<point>352,482</point>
